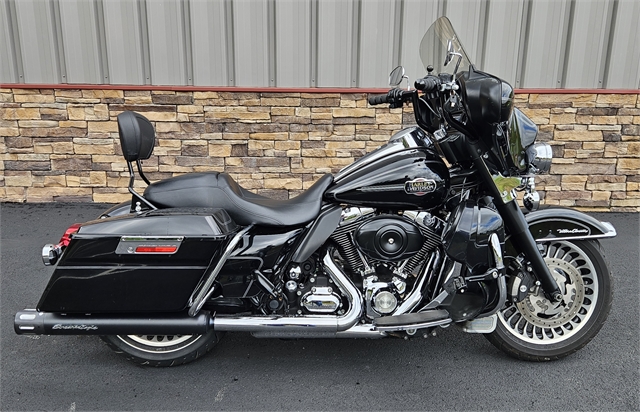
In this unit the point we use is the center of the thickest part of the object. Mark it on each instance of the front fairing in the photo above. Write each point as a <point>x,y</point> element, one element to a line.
<point>522,134</point>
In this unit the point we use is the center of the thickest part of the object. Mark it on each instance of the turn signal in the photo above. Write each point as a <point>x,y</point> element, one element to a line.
<point>66,238</point>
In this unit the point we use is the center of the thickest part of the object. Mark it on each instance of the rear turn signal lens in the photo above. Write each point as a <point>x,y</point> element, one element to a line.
<point>66,238</point>
<point>156,249</point>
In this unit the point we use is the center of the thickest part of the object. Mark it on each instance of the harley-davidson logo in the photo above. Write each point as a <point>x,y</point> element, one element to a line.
<point>420,186</point>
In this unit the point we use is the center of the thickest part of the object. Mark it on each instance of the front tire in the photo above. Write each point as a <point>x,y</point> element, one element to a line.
<point>538,330</point>
<point>162,350</point>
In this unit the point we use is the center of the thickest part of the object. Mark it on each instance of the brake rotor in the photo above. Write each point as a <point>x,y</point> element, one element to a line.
<point>542,312</point>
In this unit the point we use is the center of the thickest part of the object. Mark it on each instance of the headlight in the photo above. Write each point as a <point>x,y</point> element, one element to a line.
<point>539,156</point>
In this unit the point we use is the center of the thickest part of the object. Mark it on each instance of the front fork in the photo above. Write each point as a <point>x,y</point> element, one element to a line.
<point>518,229</point>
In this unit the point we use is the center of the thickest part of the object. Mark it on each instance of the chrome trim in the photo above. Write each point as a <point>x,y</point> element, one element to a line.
<point>196,303</point>
<point>415,296</point>
<point>361,331</point>
<point>264,282</point>
<point>480,325</point>
<point>353,214</point>
<point>321,300</point>
<point>548,239</point>
<point>497,251</point>
<point>539,156</point>
<point>151,238</point>
<point>413,326</point>
<point>309,326</point>
<point>50,254</point>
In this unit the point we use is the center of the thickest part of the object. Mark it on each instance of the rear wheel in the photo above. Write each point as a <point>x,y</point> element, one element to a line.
<point>162,350</point>
<point>539,330</point>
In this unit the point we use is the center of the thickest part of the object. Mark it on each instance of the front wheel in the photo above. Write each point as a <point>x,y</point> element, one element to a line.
<point>162,350</point>
<point>536,329</point>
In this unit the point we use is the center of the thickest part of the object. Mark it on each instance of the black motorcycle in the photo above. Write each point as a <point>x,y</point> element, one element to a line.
<point>424,232</point>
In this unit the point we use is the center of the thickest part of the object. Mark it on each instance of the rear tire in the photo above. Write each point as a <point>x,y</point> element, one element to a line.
<point>537,330</point>
<point>162,350</point>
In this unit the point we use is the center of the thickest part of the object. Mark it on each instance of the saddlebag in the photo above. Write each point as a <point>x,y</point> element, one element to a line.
<point>150,262</point>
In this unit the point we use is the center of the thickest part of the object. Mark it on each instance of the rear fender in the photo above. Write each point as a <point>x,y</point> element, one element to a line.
<point>117,210</point>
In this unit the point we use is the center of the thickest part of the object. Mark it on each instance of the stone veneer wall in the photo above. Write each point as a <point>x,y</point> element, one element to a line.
<point>62,144</point>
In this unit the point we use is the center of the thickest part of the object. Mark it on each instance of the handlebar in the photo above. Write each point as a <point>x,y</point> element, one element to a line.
<point>396,97</point>
<point>378,99</point>
<point>427,84</point>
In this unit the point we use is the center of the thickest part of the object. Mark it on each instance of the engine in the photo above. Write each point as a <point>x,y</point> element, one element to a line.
<point>385,251</point>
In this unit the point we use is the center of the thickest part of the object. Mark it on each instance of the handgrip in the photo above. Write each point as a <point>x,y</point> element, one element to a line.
<point>379,99</point>
<point>427,84</point>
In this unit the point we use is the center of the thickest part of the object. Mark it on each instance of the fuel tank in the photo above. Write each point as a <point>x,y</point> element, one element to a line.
<point>405,173</point>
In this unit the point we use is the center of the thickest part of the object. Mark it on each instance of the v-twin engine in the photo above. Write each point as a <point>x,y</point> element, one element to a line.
<point>385,251</point>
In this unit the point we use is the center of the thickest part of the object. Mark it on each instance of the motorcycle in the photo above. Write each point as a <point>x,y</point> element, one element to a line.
<point>424,232</point>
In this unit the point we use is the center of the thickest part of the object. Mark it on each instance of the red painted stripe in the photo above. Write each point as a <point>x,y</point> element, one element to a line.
<point>279,89</point>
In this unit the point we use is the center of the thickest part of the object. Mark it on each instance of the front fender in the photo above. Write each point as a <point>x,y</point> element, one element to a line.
<point>562,223</point>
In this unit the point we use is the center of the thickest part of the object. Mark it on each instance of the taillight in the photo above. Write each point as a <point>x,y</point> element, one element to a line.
<point>66,238</point>
<point>51,253</point>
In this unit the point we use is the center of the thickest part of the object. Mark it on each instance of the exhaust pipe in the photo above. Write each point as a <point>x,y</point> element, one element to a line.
<point>301,326</point>
<point>32,322</point>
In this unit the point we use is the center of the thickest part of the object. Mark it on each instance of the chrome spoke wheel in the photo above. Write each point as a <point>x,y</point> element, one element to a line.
<point>540,330</point>
<point>162,350</point>
<point>159,343</point>
<point>539,321</point>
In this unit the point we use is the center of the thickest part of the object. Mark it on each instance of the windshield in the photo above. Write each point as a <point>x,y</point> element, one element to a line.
<point>433,47</point>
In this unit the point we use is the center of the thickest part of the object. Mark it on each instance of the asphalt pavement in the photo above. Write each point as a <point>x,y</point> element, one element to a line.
<point>452,371</point>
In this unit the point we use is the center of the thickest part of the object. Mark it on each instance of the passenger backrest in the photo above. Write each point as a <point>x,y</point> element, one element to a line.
<point>137,136</point>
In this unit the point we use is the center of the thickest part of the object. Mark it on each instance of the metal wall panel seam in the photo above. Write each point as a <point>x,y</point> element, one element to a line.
<point>566,43</point>
<point>482,35</point>
<point>230,43</point>
<point>355,38</point>
<point>144,39</point>
<point>610,31</point>
<point>525,32</point>
<point>397,32</point>
<point>14,39</point>
<point>58,41</point>
<point>271,41</point>
<point>186,35</point>
<point>102,42</point>
<point>313,16</point>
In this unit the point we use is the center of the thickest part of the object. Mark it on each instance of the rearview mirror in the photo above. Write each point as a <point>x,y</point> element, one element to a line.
<point>396,76</point>
<point>450,53</point>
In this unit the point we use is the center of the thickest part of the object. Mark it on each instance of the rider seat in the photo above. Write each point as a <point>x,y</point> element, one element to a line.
<point>219,190</point>
<point>211,189</point>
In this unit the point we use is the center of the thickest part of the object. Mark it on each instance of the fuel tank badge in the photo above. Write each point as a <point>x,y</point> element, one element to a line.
<point>420,186</point>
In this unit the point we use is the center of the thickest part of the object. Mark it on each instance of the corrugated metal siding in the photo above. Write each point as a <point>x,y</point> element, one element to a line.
<point>125,56</point>
<point>308,43</point>
<point>624,51</point>
<point>336,40</point>
<point>81,45</point>
<point>7,65</point>
<point>293,43</point>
